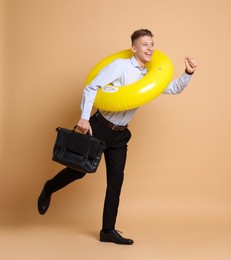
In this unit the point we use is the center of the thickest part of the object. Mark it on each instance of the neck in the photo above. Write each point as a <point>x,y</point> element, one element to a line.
<point>140,63</point>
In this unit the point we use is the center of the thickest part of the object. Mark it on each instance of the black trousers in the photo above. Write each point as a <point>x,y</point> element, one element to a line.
<point>115,157</point>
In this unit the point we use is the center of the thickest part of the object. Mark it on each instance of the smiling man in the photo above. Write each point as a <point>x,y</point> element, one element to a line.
<point>142,47</point>
<point>112,127</point>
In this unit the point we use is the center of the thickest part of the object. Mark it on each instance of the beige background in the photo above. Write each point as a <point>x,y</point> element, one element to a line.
<point>176,200</point>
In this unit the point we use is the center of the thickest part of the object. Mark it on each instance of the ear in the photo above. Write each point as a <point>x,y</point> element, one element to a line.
<point>133,49</point>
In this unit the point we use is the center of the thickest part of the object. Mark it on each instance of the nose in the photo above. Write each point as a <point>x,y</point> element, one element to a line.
<point>150,47</point>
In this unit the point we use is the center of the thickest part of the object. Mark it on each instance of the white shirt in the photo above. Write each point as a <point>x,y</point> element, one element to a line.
<point>122,72</point>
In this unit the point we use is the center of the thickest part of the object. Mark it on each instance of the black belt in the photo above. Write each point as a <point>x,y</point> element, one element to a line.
<point>110,124</point>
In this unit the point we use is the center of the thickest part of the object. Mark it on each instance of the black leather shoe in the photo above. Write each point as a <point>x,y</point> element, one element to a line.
<point>43,201</point>
<point>114,237</point>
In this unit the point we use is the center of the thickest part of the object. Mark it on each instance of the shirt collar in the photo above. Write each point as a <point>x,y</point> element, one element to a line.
<point>136,65</point>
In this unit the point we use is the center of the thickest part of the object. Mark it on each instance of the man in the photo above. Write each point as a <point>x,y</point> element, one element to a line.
<point>112,127</point>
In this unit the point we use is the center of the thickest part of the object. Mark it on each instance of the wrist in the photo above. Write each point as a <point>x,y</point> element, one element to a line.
<point>189,73</point>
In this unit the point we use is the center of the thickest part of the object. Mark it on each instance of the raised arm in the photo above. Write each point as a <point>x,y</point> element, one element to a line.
<point>178,85</point>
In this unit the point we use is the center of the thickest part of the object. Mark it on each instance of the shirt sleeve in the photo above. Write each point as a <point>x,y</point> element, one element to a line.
<point>106,76</point>
<point>178,85</point>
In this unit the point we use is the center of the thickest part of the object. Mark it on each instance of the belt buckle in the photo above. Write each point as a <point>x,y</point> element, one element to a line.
<point>115,128</point>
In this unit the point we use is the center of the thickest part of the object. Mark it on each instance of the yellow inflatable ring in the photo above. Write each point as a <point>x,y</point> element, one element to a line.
<point>111,98</point>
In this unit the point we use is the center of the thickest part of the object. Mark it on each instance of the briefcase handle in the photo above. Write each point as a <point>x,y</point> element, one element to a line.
<point>88,132</point>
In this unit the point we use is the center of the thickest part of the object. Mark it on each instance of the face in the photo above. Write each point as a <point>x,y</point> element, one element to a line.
<point>143,49</point>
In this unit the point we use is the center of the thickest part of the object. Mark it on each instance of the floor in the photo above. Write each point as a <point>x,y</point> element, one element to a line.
<point>159,239</point>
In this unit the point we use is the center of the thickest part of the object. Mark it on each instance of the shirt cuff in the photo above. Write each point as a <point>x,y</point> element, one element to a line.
<point>187,76</point>
<point>85,116</point>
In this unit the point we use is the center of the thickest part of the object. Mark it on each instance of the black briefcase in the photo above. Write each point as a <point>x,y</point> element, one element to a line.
<point>78,151</point>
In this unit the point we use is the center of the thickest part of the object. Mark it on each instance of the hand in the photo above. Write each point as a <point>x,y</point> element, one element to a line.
<point>84,126</point>
<point>190,65</point>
